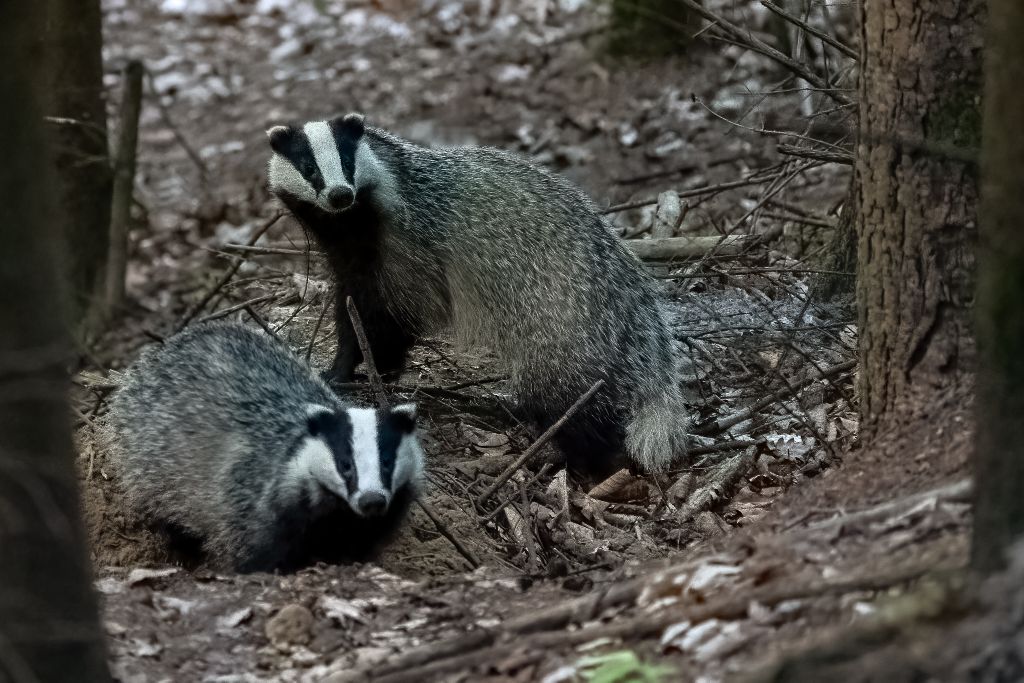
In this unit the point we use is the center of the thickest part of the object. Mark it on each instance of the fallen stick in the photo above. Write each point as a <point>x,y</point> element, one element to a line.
<point>236,307</point>
<point>364,345</point>
<point>442,529</point>
<point>316,329</point>
<point>724,423</point>
<point>669,248</point>
<point>382,400</point>
<point>538,444</point>
<point>476,648</point>
<point>226,278</point>
<point>124,184</point>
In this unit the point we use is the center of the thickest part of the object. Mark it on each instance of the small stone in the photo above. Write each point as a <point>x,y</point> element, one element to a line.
<point>292,625</point>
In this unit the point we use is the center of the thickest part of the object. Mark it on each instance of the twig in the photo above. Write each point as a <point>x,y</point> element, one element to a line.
<point>124,183</point>
<point>316,329</point>
<point>444,531</point>
<point>754,179</point>
<point>805,220</point>
<point>744,37</point>
<point>475,382</point>
<point>260,321</point>
<point>260,251</point>
<point>538,444</point>
<point>821,35</point>
<point>529,482</point>
<point>364,345</point>
<point>239,260</point>
<point>958,492</point>
<point>475,648</point>
<point>724,423</point>
<point>687,168</point>
<point>236,307</point>
<point>845,158</point>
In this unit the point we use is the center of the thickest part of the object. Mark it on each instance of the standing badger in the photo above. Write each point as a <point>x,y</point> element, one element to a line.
<point>223,437</point>
<point>507,254</point>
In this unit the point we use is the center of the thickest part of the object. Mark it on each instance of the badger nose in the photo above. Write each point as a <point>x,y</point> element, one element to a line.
<point>372,504</point>
<point>340,197</point>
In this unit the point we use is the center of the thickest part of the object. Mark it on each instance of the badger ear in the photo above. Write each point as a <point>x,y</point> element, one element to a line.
<point>353,124</point>
<point>317,418</point>
<point>404,417</point>
<point>279,137</point>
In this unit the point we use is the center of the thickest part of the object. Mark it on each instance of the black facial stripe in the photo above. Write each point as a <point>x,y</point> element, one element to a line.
<point>336,431</point>
<point>346,144</point>
<point>300,154</point>
<point>389,436</point>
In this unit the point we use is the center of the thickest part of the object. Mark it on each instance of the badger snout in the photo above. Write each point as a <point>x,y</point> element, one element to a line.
<point>340,197</point>
<point>371,504</point>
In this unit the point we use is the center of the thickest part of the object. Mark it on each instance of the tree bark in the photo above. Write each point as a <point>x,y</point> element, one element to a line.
<point>999,456</point>
<point>49,629</point>
<point>919,114</point>
<point>84,177</point>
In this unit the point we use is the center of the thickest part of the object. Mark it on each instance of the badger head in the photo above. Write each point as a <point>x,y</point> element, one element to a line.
<point>319,162</point>
<point>360,455</point>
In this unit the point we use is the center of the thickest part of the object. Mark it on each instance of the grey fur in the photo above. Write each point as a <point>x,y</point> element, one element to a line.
<point>514,258</point>
<point>207,429</point>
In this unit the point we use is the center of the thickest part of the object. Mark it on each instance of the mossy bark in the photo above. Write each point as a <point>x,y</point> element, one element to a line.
<point>917,201</point>
<point>999,456</point>
<point>49,626</point>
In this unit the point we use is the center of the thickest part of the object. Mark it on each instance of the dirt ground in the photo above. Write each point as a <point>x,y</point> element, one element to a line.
<point>779,533</point>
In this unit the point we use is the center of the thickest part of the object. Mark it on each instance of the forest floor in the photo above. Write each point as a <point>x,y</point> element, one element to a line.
<point>782,533</point>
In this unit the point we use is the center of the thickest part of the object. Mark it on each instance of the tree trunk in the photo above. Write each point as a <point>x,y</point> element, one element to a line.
<point>49,629</point>
<point>920,88</point>
<point>999,458</point>
<point>84,176</point>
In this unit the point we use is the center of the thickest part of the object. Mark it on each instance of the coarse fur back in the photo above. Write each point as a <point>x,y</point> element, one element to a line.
<point>222,435</point>
<point>509,256</point>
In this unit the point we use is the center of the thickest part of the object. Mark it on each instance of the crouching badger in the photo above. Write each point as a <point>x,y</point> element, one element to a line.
<point>508,255</point>
<point>222,436</point>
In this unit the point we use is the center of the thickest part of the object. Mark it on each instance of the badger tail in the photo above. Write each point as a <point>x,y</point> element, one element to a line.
<point>656,434</point>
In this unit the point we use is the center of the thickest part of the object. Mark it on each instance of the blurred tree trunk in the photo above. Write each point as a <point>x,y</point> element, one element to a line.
<point>49,629</point>
<point>919,113</point>
<point>999,456</point>
<point>84,178</point>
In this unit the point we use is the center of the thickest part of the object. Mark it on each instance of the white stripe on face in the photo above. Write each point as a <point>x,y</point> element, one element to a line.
<point>315,460</point>
<point>365,452</point>
<point>325,152</point>
<point>285,177</point>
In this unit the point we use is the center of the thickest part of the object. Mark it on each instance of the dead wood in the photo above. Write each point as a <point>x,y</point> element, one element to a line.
<point>724,423</point>
<point>364,345</point>
<point>820,35</point>
<point>957,492</point>
<point>670,248</point>
<point>443,529</point>
<point>124,183</point>
<point>538,444</point>
<point>721,26</point>
<point>477,648</point>
<point>226,278</point>
<point>718,483</point>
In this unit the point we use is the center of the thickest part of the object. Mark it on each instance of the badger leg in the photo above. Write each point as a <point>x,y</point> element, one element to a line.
<point>389,340</point>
